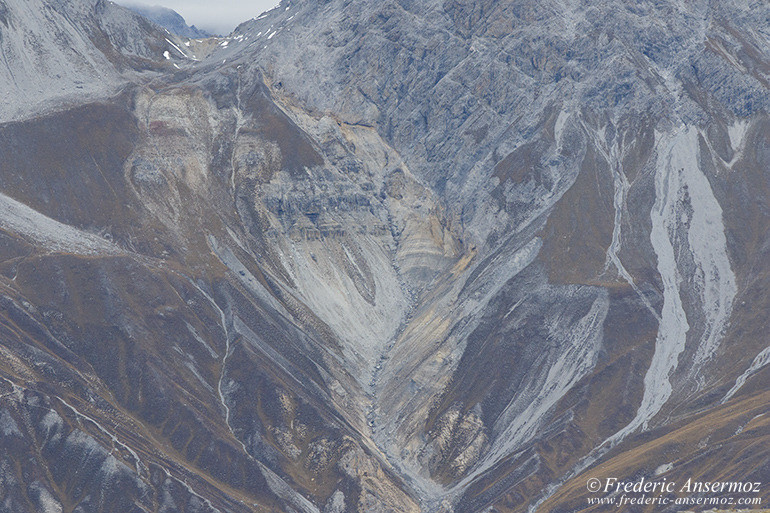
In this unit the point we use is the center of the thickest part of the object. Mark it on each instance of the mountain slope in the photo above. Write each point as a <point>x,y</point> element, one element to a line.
<point>168,19</point>
<point>386,256</point>
<point>498,110</point>
<point>75,51</point>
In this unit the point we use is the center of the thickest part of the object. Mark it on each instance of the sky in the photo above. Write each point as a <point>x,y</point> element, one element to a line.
<point>218,16</point>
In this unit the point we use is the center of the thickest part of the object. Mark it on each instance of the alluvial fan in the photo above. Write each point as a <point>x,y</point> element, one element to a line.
<point>383,256</point>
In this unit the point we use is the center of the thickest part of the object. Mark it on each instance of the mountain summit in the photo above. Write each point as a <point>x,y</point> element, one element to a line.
<point>382,256</point>
<point>168,19</point>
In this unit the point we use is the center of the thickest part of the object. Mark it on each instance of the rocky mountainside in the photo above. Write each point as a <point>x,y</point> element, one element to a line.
<point>168,19</point>
<point>362,256</point>
<point>73,52</point>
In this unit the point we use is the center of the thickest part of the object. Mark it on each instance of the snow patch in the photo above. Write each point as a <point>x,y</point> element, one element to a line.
<point>176,48</point>
<point>715,280</point>
<point>737,132</point>
<point>673,326</point>
<point>558,129</point>
<point>679,181</point>
<point>760,361</point>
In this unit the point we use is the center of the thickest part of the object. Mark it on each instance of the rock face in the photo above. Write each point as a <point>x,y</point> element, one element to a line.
<point>382,256</point>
